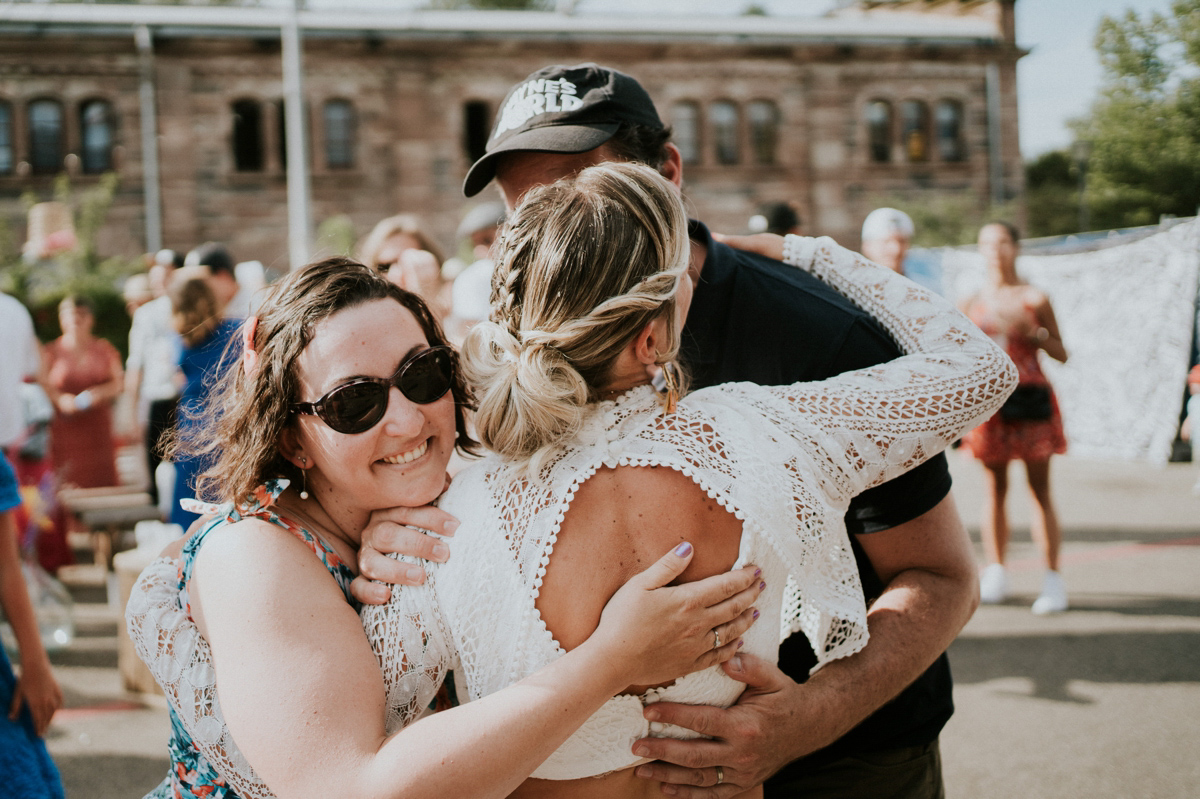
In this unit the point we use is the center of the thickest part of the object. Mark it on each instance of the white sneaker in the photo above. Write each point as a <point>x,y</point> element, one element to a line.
<point>993,584</point>
<point>1053,598</point>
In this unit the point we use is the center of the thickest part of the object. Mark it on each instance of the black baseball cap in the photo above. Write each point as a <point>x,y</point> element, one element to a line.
<point>562,110</point>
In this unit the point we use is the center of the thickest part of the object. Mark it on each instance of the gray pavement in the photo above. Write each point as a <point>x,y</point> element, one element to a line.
<point>1098,702</point>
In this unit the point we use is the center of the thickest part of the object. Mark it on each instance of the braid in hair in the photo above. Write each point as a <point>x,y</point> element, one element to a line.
<point>582,267</point>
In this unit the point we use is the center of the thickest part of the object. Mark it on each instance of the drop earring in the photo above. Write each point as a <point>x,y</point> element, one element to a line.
<point>671,381</point>
<point>304,477</point>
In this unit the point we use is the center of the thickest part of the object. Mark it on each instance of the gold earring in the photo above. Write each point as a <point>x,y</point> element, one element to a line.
<point>304,477</point>
<point>670,375</point>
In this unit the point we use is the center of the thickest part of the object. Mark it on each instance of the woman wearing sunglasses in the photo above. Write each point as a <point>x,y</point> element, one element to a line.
<point>347,401</point>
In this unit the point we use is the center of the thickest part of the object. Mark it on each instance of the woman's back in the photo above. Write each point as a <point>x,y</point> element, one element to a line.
<point>617,521</point>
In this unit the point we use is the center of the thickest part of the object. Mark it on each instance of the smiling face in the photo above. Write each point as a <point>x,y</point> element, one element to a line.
<point>402,459</point>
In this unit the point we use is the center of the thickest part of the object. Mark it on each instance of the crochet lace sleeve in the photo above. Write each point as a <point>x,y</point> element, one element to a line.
<point>178,656</point>
<point>412,644</point>
<point>876,423</point>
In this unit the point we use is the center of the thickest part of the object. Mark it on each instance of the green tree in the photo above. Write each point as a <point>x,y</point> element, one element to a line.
<point>1052,195</point>
<point>1144,130</point>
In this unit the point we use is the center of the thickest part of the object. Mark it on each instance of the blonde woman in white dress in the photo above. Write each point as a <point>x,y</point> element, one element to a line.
<point>594,470</point>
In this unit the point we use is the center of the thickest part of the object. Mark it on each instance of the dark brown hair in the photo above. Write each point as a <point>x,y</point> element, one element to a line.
<point>642,144</point>
<point>240,426</point>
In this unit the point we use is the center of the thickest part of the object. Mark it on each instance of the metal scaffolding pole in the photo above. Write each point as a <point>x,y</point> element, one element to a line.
<point>296,140</point>
<point>151,189</point>
<point>995,143</point>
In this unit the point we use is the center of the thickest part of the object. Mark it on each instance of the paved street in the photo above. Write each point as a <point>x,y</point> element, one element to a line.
<point>1100,702</point>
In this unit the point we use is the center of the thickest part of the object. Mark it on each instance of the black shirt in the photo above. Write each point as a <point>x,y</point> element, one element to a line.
<point>756,319</point>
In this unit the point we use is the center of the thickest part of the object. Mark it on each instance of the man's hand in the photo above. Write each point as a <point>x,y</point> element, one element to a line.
<point>752,740</point>
<point>402,531</point>
<point>931,591</point>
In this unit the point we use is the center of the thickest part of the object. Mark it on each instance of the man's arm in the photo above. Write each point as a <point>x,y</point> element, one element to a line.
<point>930,591</point>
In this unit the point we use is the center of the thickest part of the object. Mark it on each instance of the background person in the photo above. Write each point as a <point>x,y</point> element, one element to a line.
<point>401,249</point>
<point>472,289</point>
<point>1029,426</point>
<point>779,218</point>
<point>20,358</point>
<point>82,375</point>
<point>28,702</point>
<point>205,336</point>
<point>152,366</point>
<point>885,704</point>
<point>886,236</point>
<point>234,300</point>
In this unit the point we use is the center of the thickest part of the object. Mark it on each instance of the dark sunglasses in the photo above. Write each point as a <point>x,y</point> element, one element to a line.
<point>357,406</point>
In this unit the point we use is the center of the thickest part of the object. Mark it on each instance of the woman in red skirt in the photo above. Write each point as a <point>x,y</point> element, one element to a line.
<point>1029,426</point>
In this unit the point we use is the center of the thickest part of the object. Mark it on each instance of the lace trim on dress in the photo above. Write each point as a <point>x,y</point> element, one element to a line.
<point>166,639</point>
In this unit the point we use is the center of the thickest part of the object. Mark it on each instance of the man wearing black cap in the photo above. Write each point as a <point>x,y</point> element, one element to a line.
<point>863,726</point>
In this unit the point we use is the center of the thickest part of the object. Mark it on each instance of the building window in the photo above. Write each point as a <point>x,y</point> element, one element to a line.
<point>247,136</point>
<point>477,120</point>
<point>723,115</point>
<point>45,137</point>
<point>914,130</point>
<point>339,134</point>
<point>96,124</point>
<point>949,131</point>
<point>764,130</point>
<point>7,159</point>
<point>879,131</point>
<point>685,122</point>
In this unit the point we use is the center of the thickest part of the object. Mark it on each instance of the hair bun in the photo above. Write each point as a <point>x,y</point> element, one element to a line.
<point>528,393</point>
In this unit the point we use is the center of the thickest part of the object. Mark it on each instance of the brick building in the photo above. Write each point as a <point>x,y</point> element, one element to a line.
<point>877,99</point>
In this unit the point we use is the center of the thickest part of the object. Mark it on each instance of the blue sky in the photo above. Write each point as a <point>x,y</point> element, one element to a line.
<point>1060,77</point>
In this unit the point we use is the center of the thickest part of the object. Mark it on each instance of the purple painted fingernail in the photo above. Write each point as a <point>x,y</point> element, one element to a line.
<point>758,572</point>
<point>683,550</point>
<point>756,614</point>
<point>762,585</point>
<point>741,643</point>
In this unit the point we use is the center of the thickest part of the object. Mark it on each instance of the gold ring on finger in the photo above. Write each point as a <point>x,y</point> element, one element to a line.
<point>716,639</point>
<point>720,775</point>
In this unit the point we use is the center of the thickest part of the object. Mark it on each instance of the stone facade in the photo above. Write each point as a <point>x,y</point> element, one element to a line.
<point>410,96</point>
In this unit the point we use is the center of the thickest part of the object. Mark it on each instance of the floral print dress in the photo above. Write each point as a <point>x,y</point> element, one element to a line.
<point>192,776</point>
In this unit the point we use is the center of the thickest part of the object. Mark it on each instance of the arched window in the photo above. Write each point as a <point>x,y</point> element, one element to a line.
<point>96,124</point>
<point>685,122</point>
<point>723,115</point>
<point>7,158</point>
<point>949,131</point>
<point>339,134</point>
<point>879,131</point>
<point>45,137</point>
<point>764,130</point>
<point>914,130</point>
<point>247,136</point>
<point>477,121</point>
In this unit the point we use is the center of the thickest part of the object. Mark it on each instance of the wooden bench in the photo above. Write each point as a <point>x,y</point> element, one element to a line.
<point>106,512</point>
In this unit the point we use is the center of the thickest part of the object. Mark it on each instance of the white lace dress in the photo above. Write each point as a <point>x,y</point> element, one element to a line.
<point>784,460</point>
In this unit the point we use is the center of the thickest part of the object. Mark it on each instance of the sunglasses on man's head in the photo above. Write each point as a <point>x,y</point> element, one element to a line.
<point>357,406</point>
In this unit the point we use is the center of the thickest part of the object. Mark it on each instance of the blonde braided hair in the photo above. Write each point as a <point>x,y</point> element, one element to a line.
<point>583,265</point>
